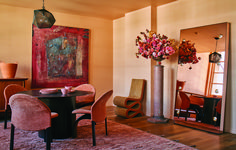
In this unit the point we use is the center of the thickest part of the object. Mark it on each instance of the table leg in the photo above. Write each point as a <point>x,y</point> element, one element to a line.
<point>63,124</point>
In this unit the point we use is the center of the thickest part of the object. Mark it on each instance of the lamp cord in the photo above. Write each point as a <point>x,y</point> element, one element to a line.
<point>43,4</point>
<point>216,45</point>
<point>216,38</point>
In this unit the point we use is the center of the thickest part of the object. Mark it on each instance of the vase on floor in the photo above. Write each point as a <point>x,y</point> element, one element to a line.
<point>158,116</point>
<point>8,70</point>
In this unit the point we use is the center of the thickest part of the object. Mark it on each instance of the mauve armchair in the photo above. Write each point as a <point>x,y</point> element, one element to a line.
<point>30,114</point>
<point>96,114</point>
<point>85,100</point>
<point>8,92</point>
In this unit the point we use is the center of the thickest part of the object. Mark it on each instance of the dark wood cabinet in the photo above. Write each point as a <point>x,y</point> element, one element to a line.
<point>209,109</point>
<point>3,84</point>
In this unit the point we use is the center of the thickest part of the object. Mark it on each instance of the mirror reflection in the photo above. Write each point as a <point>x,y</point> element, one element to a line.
<point>201,77</point>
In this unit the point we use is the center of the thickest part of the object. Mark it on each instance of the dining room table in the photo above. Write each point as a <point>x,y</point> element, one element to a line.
<point>63,104</point>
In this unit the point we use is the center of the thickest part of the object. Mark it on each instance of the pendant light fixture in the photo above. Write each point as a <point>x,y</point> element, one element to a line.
<point>215,57</point>
<point>43,18</point>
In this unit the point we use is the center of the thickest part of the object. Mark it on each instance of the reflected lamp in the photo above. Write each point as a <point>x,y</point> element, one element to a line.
<point>215,57</point>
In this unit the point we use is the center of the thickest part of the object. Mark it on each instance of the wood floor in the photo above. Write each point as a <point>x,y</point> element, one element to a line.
<point>188,136</point>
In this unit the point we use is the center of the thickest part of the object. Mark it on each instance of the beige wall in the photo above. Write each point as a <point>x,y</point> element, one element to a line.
<point>125,65</point>
<point>16,43</point>
<point>195,79</point>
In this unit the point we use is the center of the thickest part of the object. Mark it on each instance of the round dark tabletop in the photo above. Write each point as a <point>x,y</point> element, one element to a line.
<point>36,93</point>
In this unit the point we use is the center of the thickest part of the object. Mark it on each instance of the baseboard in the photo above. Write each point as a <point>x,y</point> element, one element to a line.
<point>233,131</point>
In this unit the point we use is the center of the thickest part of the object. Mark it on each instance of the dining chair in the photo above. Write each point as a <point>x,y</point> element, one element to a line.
<point>218,107</point>
<point>30,114</point>
<point>96,114</point>
<point>85,100</point>
<point>218,112</point>
<point>8,92</point>
<point>179,87</point>
<point>188,108</point>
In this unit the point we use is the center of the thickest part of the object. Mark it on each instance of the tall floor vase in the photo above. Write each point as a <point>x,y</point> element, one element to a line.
<point>158,96</point>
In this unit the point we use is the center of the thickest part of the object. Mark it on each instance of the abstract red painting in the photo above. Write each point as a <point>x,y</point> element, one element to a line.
<point>59,56</point>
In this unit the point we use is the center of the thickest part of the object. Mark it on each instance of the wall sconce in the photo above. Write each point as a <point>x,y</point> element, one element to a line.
<point>215,57</point>
<point>43,18</point>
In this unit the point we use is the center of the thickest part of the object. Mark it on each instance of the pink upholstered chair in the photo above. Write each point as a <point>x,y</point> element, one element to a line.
<point>8,92</point>
<point>30,114</point>
<point>85,100</point>
<point>96,114</point>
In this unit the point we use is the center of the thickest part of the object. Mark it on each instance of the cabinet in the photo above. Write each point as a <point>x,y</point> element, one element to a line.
<point>209,109</point>
<point>6,82</point>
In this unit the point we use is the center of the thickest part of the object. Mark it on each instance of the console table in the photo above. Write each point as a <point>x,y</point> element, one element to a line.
<point>5,82</point>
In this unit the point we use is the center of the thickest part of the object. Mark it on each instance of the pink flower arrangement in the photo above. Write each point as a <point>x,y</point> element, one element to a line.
<point>154,46</point>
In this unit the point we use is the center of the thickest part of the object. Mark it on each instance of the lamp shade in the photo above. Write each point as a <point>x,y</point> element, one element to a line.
<point>43,18</point>
<point>214,57</point>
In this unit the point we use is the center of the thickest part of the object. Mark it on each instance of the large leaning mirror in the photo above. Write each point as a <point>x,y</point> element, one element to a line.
<point>201,77</point>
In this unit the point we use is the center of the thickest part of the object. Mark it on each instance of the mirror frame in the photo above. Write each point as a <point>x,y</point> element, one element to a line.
<point>226,26</point>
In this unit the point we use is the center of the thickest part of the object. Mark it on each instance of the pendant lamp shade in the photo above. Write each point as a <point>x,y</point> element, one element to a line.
<point>43,18</point>
<point>215,57</point>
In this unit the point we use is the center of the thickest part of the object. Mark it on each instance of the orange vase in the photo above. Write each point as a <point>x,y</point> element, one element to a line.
<point>8,69</point>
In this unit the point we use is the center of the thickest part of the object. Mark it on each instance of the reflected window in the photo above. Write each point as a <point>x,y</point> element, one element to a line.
<point>215,80</point>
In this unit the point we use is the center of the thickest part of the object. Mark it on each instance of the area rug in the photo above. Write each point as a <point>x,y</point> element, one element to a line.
<point>120,137</point>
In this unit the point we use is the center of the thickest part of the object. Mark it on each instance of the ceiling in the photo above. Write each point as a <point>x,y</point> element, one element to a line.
<point>107,9</point>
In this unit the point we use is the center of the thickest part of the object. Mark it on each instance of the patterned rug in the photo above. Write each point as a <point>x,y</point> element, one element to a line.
<point>120,137</point>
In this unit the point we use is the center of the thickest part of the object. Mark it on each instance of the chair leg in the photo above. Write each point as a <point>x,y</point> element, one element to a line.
<point>106,125</point>
<point>44,135</point>
<point>12,137</point>
<point>48,138</point>
<point>186,115</point>
<point>93,133</point>
<point>179,112</point>
<point>85,116</point>
<point>197,116</point>
<point>5,119</point>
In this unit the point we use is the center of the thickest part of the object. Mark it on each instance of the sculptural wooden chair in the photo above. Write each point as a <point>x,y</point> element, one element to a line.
<point>96,114</point>
<point>30,114</point>
<point>131,106</point>
<point>85,100</point>
<point>8,92</point>
<point>189,108</point>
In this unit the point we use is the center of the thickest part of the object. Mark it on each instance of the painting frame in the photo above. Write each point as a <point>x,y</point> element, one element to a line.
<point>59,56</point>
